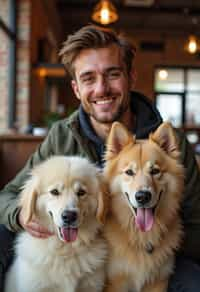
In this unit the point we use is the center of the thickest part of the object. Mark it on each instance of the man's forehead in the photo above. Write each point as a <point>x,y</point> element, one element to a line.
<point>94,59</point>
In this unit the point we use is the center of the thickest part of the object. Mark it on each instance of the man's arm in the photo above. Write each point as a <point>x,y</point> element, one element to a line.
<point>191,204</point>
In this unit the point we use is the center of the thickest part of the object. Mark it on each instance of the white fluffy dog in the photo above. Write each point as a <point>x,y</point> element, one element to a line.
<point>67,195</point>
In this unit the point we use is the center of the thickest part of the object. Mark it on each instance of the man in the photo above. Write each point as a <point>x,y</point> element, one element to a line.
<point>100,64</point>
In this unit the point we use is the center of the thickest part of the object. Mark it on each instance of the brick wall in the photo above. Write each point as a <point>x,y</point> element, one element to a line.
<point>23,62</point>
<point>4,64</point>
<point>35,20</point>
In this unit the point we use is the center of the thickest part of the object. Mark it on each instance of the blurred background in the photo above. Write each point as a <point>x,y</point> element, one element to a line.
<point>35,90</point>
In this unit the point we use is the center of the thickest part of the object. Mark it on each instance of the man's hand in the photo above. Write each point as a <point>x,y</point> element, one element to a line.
<point>34,227</point>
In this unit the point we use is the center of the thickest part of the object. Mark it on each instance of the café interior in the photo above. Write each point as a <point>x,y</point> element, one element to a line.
<point>35,90</point>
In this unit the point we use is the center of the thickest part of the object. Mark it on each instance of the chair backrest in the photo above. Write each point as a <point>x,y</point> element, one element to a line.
<point>14,151</point>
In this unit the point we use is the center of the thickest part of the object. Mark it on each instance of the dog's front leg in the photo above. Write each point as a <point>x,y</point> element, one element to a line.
<point>158,286</point>
<point>117,283</point>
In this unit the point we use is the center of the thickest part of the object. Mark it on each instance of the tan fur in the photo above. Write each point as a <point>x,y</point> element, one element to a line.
<point>142,260</point>
<point>56,263</point>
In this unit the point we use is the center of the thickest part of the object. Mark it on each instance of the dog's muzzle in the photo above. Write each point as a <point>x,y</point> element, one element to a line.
<point>144,215</point>
<point>68,232</point>
<point>143,197</point>
<point>69,217</point>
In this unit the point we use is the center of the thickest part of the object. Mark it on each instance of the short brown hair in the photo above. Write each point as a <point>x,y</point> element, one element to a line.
<point>94,37</point>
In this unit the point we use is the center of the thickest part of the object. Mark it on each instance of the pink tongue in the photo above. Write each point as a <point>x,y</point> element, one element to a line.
<point>69,234</point>
<point>144,219</point>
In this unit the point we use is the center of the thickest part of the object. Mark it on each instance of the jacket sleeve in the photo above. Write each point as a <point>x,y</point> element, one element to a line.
<point>191,203</point>
<point>9,194</point>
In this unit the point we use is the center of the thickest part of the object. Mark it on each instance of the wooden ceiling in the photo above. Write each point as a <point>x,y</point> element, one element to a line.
<point>171,16</point>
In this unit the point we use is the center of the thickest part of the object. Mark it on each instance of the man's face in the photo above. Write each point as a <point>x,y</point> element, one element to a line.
<point>102,83</point>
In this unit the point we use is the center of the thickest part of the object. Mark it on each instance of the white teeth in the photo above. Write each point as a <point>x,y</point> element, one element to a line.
<point>104,101</point>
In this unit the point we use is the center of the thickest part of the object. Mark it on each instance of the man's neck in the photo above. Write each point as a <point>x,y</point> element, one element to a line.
<point>103,129</point>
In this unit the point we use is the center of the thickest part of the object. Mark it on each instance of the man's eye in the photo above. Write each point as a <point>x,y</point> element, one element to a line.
<point>129,172</point>
<point>88,80</point>
<point>55,192</point>
<point>114,74</point>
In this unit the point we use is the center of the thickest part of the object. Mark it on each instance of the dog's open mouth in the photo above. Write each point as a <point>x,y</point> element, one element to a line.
<point>68,234</point>
<point>144,218</point>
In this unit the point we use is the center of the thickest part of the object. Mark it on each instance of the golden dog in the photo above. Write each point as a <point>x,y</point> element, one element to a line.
<point>143,227</point>
<point>67,196</point>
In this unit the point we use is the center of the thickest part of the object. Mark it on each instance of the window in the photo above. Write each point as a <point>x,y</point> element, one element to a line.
<point>177,93</point>
<point>170,107</point>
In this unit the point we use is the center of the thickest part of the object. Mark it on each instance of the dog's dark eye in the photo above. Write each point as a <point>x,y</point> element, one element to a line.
<point>81,192</point>
<point>54,192</point>
<point>154,171</point>
<point>129,172</point>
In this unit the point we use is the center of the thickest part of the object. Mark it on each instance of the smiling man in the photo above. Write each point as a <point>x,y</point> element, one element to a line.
<point>102,79</point>
<point>101,66</point>
<point>102,84</point>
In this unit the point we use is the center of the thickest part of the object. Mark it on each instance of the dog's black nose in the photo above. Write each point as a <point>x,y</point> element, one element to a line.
<point>143,197</point>
<point>69,216</point>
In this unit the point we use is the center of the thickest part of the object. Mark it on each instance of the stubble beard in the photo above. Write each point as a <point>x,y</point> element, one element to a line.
<point>117,116</point>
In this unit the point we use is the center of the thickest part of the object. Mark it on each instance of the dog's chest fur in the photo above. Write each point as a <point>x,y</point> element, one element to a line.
<point>54,257</point>
<point>131,258</point>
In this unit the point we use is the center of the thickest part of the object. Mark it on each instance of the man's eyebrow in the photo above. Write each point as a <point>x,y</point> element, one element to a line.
<point>107,70</point>
<point>114,68</point>
<point>84,74</point>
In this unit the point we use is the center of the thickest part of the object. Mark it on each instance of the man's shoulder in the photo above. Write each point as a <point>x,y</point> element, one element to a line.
<point>66,123</point>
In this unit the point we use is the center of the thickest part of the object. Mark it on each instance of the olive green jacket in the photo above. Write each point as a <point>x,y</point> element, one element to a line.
<point>66,137</point>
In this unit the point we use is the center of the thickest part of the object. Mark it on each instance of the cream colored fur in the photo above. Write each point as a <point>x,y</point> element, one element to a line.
<point>52,264</point>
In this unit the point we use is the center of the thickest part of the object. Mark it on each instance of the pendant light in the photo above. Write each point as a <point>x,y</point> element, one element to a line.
<point>192,44</point>
<point>105,12</point>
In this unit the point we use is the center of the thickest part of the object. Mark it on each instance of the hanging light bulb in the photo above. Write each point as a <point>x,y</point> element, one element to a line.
<point>105,12</point>
<point>192,45</point>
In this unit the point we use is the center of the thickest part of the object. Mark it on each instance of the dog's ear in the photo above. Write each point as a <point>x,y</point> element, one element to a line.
<point>118,137</point>
<point>166,138</point>
<point>28,198</point>
<point>103,200</point>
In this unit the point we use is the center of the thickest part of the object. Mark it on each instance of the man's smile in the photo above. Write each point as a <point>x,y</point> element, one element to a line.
<point>107,101</point>
<point>104,104</point>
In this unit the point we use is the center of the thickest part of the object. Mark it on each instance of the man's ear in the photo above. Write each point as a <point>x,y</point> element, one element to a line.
<point>75,88</point>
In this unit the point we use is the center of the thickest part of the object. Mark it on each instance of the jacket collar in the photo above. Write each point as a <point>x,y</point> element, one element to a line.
<point>87,127</point>
<point>147,115</point>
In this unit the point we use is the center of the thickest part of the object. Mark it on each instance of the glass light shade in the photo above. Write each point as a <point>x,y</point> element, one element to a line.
<point>104,12</point>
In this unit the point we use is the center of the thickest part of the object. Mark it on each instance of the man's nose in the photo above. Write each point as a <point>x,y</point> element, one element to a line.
<point>102,86</point>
